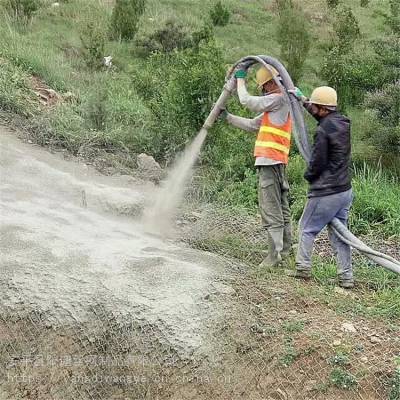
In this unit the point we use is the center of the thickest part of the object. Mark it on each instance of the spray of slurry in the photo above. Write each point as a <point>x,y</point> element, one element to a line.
<point>159,217</point>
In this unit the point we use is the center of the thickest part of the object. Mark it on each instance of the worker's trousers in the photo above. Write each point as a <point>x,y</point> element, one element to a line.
<point>273,200</point>
<point>318,213</point>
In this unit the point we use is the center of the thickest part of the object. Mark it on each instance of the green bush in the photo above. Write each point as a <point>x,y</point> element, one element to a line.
<point>393,19</point>
<point>22,10</point>
<point>293,35</point>
<point>346,29</point>
<point>93,41</point>
<point>125,18</point>
<point>383,118</point>
<point>220,14</point>
<point>387,50</point>
<point>172,36</point>
<point>364,3</point>
<point>179,89</point>
<point>332,3</point>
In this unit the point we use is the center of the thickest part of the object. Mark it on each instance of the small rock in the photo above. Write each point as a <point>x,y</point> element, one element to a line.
<point>337,342</point>
<point>348,327</point>
<point>374,339</point>
<point>293,312</point>
<point>364,359</point>
<point>220,288</point>
<point>196,214</point>
<point>56,4</point>
<point>147,163</point>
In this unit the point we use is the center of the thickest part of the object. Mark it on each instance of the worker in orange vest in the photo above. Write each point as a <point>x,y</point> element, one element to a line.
<point>271,152</point>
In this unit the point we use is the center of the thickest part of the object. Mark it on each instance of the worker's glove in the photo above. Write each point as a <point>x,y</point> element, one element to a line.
<point>298,94</point>
<point>223,113</point>
<point>240,73</point>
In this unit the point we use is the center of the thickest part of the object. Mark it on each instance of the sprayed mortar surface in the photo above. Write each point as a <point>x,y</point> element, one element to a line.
<point>64,246</point>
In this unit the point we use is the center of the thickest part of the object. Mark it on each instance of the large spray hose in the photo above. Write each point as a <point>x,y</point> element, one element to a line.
<point>301,137</point>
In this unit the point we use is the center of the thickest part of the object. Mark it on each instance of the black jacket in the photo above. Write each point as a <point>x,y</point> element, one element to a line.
<point>329,168</point>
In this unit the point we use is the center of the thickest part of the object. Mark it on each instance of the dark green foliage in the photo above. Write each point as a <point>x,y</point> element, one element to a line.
<point>388,50</point>
<point>355,74</point>
<point>125,18</point>
<point>93,41</point>
<point>364,3</point>
<point>179,89</point>
<point>332,3</point>
<point>383,111</point>
<point>282,5</point>
<point>339,68</point>
<point>220,14</point>
<point>346,29</point>
<point>22,9</point>
<point>393,19</point>
<point>293,34</point>
<point>172,36</point>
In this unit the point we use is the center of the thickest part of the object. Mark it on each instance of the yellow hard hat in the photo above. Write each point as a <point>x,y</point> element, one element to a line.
<point>324,96</point>
<point>264,75</point>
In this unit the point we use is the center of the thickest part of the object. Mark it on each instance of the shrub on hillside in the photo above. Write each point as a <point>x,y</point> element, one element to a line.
<point>393,19</point>
<point>172,36</point>
<point>332,3</point>
<point>364,3</point>
<point>180,88</point>
<point>220,14</point>
<point>355,74</point>
<point>125,18</point>
<point>383,118</point>
<point>93,41</point>
<point>346,29</point>
<point>22,10</point>
<point>293,34</point>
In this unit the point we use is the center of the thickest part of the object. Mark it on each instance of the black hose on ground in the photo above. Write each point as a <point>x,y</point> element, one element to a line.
<point>302,141</point>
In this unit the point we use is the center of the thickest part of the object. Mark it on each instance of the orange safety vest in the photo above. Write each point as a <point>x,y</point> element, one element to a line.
<point>273,141</point>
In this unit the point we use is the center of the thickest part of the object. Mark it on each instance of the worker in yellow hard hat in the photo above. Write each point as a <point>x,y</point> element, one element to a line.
<point>330,194</point>
<point>274,129</point>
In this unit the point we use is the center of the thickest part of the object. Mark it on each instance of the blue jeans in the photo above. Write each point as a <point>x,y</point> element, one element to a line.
<point>318,213</point>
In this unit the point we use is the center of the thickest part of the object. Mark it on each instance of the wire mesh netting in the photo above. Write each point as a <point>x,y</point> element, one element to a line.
<point>267,336</point>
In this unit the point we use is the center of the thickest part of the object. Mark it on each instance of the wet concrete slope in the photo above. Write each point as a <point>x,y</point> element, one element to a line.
<point>65,245</point>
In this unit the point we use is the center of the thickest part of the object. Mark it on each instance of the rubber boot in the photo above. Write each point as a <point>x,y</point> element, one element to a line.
<point>275,246</point>
<point>287,241</point>
<point>345,283</point>
<point>303,274</point>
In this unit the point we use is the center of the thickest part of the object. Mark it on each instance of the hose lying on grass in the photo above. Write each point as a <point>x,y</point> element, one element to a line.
<point>301,138</point>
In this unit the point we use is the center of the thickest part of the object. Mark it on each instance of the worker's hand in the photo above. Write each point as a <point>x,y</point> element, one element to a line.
<point>223,113</point>
<point>298,94</point>
<point>240,73</point>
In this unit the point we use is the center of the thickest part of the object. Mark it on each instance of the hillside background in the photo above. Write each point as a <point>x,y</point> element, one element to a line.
<point>154,101</point>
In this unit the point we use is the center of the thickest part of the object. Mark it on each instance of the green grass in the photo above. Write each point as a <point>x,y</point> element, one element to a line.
<point>377,294</point>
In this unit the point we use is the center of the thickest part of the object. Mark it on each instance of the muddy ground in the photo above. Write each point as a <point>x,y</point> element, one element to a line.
<point>93,307</point>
